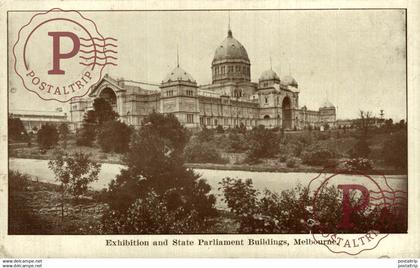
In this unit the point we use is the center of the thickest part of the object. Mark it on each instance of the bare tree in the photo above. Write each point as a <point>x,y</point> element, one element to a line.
<point>365,117</point>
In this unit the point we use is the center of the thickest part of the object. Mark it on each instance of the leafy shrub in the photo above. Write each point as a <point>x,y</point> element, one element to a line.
<point>86,135</point>
<point>358,165</point>
<point>237,142</point>
<point>202,153</point>
<point>269,213</point>
<point>292,162</point>
<point>282,157</point>
<point>64,131</point>
<point>153,214</point>
<point>317,156</point>
<point>205,135</point>
<point>114,136</point>
<point>395,150</point>
<point>47,136</point>
<point>74,171</point>
<point>331,164</point>
<point>16,130</point>
<point>17,181</point>
<point>292,211</point>
<point>263,143</point>
<point>219,129</point>
<point>294,148</point>
<point>361,148</point>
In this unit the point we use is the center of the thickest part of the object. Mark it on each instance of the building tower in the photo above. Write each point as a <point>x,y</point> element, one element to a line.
<point>230,62</point>
<point>179,96</point>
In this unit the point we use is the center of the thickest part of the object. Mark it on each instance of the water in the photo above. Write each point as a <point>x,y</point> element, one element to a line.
<point>274,181</point>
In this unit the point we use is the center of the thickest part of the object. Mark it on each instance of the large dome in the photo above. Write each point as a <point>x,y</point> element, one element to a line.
<point>230,49</point>
<point>178,74</point>
<point>269,75</point>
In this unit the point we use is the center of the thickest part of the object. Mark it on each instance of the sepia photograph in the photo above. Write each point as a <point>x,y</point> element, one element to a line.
<point>279,121</point>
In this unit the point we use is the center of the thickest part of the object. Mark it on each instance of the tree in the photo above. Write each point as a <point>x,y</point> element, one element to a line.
<point>402,124</point>
<point>47,136</point>
<point>395,150</point>
<point>389,123</point>
<point>114,136</point>
<point>16,129</point>
<point>93,120</point>
<point>103,111</point>
<point>364,120</point>
<point>63,130</point>
<point>74,172</point>
<point>87,133</point>
<point>155,165</point>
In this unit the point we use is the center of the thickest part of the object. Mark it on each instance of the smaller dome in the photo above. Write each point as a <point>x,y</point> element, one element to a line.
<point>178,74</point>
<point>269,75</point>
<point>327,104</point>
<point>289,81</point>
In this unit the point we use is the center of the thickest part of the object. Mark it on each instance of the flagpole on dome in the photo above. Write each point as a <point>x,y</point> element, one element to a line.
<point>229,29</point>
<point>177,56</point>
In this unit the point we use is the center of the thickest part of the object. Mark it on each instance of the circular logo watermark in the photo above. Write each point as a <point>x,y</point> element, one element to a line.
<point>60,54</point>
<point>354,213</point>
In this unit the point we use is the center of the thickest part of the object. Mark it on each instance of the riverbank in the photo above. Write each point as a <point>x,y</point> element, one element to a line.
<point>305,169</point>
<point>262,167</point>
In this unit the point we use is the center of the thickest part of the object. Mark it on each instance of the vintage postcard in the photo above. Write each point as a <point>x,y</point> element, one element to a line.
<point>200,129</point>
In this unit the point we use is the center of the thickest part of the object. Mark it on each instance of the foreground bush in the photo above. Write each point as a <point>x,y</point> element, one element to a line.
<point>153,214</point>
<point>292,211</point>
<point>156,182</point>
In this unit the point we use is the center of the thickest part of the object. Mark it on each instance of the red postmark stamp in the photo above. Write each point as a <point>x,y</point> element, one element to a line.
<point>352,213</point>
<point>60,54</point>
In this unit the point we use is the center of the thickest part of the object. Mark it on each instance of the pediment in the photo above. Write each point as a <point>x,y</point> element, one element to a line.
<point>106,82</point>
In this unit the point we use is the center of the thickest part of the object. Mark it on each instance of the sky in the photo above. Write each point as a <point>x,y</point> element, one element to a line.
<point>354,58</point>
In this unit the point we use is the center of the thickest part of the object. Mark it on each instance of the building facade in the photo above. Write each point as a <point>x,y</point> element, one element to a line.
<point>231,100</point>
<point>33,120</point>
